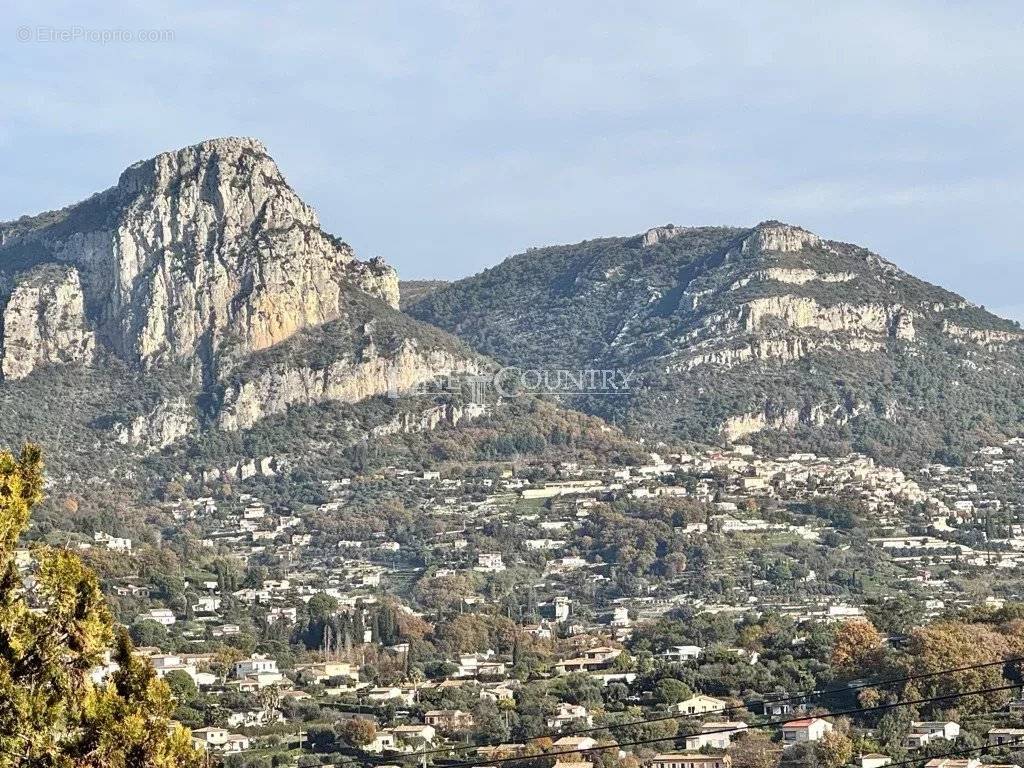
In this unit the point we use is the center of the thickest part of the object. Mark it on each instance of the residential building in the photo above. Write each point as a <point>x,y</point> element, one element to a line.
<point>999,736</point>
<point>681,653</point>
<point>700,705</point>
<point>810,729</point>
<point>164,616</point>
<point>569,714</point>
<point>449,720</point>
<point>683,760</point>
<point>715,735</point>
<point>925,732</point>
<point>260,668</point>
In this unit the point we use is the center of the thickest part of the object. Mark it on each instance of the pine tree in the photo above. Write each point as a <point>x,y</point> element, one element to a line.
<point>52,715</point>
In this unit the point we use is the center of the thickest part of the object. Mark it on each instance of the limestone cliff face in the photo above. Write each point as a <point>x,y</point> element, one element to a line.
<point>196,263</point>
<point>430,418</point>
<point>776,351</point>
<point>989,338</point>
<point>774,236</point>
<point>345,380</point>
<point>167,423</point>
<point>657,235</point>
<point>802,312</point>
<point>198,249</point>
<point>746,424</point>
<point>794,276</point>
<point>44,323</point>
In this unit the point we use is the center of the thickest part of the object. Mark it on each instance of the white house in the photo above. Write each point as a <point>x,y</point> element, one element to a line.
<point>681,653</point>
<point>999,736</point>
<point>415,736</point>
<point>113,543</point>
<point>164,616</point>
<point>700,705</point>
<point>568,714</point>
<point>260,668</point>
<point>219,739</point>
<point>925,732</point>
<point>164,663</point>
<point>715,735</point>
<point>810,729</point>
<point>620,617</point>
<point>489,562</point>
<point>678,760</point>
<point>385,739</point>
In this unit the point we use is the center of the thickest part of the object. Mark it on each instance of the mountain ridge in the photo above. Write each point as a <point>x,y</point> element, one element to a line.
<point>741,331</point>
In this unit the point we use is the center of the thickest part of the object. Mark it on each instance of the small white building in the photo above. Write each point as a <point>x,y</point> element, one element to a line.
<point>219,740</point>
<point>810,729</point>
<point>260,668</point>
<point>163,616</point>
<point>569,714</point>
<point>926,732</point>
<point>700,705</point>
<point>113,543</point>
<point>489,562</point>
<point>680,653</point>
<point>715,735</point>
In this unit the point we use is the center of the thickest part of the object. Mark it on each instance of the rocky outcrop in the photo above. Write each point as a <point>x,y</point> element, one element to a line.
<point>160,427</point>
<point>788,419</point>
<point>44,323</point>
<point>344,380</point>
<point>986,337</point>
<point>657,235</point>
<point>802,312</point>
<point>431,418</point>
<point>778,351</point>
<point>792,276</point>
<point>773,236</point>
<point>198,250</point>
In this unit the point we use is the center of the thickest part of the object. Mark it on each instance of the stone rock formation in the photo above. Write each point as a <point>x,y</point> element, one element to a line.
<point>44,323</point>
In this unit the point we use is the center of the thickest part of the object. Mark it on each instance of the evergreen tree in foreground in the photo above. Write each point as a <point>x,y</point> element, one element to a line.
<point>54,628</point>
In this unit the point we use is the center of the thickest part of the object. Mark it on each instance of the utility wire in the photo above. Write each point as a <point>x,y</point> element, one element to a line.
<point>678,737</point>
<point>799,696</point>
<point>767,724</point>
<point>955,753</point>
<point>736,708</point>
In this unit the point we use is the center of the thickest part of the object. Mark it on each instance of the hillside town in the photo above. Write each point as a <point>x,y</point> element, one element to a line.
<point>519,616</point>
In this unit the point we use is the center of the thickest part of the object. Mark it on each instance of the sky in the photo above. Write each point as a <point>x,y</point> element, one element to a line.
<point>446,136</point>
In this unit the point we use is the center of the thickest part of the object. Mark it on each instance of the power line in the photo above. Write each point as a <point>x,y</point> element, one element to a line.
<point>956,753</point>
<point>678,737</point>
<point>799,696</point>
<point>737,708</point>
<point>767,724</point>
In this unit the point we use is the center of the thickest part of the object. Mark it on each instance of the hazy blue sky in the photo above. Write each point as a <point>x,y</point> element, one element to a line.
<point>445,136</point>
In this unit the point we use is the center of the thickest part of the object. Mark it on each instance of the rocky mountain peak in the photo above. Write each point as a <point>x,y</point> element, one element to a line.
<point>657,235</point>
<point>231,180</point>
<point>774,236</point>
<point>193,249</point>
<point>223,300</point>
